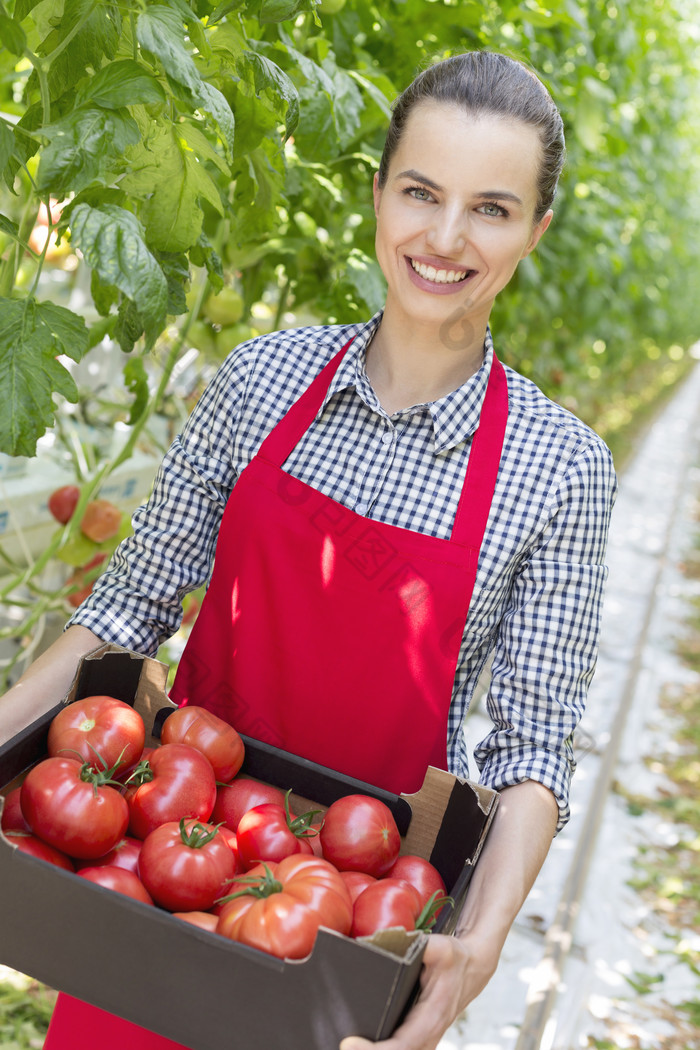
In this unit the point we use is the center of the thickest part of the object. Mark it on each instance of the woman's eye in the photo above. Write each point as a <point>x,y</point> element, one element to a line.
<point>419,193</point>
<point>491,208</point>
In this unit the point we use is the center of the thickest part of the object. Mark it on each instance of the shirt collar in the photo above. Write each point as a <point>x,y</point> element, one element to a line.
<point>455,417</point>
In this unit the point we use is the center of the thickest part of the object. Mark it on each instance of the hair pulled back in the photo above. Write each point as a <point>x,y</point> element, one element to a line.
<point>486,82</point>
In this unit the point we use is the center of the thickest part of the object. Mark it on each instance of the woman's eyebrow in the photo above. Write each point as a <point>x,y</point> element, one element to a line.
<point>504,195</point>
<point>411,173</point>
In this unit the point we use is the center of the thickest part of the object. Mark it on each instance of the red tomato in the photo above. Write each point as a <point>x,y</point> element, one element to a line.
<point>420,873</point>
<point>242,794</point>
<point>359,833</point>
<point>125,855</point>
<point>186,866</point>
<point>118,879</point>
<point>356,882</point>
<point>386,903</point>
<point>177,781</point>
<point>304,892</point>
<point>102,730</point>
<point>36,847</point>
<point>63,501</point>
<point>231,841</point>
<point>69,805</point>
<point>270,833</point>
<point>204,919</point>
<point>217,740</point>
<point>12,816</point>
<point>101,520</point>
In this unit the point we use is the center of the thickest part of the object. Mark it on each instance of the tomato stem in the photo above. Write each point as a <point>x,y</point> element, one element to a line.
<point>198,835</point>
<point>301,826</point>
<point>428,915</point>
<point>256,886</point>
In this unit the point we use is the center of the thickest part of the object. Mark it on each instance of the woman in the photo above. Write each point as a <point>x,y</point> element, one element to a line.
<point>397,507</point>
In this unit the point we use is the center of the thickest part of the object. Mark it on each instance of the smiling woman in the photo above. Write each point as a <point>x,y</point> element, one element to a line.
<point>467,516</point>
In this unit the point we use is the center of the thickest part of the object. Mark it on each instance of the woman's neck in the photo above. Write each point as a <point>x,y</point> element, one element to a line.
<point>411,367</point>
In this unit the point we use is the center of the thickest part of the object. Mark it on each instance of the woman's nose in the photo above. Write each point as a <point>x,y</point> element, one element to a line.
<point>447,233</point>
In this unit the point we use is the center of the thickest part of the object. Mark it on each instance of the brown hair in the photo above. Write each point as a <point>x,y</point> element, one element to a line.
<point>487,82</point>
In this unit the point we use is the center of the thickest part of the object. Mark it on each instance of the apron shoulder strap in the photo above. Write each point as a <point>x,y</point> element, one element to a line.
<point>279,443</point>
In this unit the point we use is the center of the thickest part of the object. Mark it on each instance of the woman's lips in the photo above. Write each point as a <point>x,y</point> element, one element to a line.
<point>436,279</point>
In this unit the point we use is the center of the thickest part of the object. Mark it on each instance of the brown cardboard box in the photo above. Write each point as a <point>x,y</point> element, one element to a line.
<point>199,988</point>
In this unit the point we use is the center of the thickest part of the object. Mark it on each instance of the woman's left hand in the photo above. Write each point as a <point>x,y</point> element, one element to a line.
<point>454,972</point>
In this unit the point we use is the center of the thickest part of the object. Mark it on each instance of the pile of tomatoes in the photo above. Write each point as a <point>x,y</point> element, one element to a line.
<point>179,827</point>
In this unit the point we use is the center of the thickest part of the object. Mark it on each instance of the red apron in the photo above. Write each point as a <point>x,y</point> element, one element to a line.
<point>328,634</point>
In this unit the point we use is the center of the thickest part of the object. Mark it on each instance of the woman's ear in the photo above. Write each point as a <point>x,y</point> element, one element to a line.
<point>376,193</point>
<point>537,232</point>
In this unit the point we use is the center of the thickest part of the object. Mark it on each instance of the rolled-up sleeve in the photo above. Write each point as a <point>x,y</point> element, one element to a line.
<point>137,602</point>
<point>547,643</point>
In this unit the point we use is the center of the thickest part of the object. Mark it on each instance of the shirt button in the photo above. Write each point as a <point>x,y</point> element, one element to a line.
<point>386,438</point>
<point>361,508</point>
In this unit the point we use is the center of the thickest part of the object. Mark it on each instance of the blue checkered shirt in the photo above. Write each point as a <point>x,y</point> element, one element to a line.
<point>537,599</point>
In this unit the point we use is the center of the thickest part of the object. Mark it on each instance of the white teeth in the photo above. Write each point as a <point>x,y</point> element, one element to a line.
<point>438,276</point>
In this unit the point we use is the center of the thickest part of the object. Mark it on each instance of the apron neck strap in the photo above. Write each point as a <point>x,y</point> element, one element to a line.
<point>484,457</point>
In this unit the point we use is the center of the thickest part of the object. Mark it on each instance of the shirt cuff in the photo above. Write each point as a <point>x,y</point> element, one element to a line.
<point>117,627</point>
<point>554,770</point>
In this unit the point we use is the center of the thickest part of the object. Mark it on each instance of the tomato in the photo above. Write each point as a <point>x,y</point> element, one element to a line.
<point>101,520</point>
<point>420,873</point>
<point>175,781</point>
<point>226,307</point>
<point>383,904</point>
<point>356,882</point>
<point>269,833</point>
<point>283,912</point>
<point>100,729</point>
<point>217,740</point>
<point>36,847</point>
<point>231,841</point>
<point>359,833</point>
<point>12,816</point>
<point>186,866</point>
<point>204,919</point>
<point>125,855</point>
<point>242,794</point>
<point>63,501</point>
<point>71,806</point>
<point>118,879</point>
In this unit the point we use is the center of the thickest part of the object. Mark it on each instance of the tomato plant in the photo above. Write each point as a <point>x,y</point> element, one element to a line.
<point>72,806</point>
<point>118,879</point>
<point>217,740</point>
<point>269,833</point>
<point>36,847</point>
<point>279,908</point>
<point>359,833</point>
<point>174,781</point>
<point>242,794</point>
<point>100,729</point>
<point>186,866</point>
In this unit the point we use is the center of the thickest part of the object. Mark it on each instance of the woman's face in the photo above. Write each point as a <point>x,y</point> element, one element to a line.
<point>456,215</point>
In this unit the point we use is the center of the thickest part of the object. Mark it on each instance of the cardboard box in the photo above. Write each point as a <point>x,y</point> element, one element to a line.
<point>199,988</point>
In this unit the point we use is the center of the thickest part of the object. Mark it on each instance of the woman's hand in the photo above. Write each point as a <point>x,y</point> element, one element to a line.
<point>455,971</point>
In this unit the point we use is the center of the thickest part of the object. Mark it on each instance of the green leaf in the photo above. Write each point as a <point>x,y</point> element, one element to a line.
<point>175,266</point>
<point>281,10</point>
<point>112,242</point>
<point>366,278</point>
<point>123,83</point>
<point>104,296</point>
<point>168,178</point>
<point>82,147</point>
<point>32,336</point>
<point>269,77</point>
<point>97,38</point>
<point>136,382</point>
<point>7,144</point>
<point>9,227</point>
<point>203,254</point>
<point>12,36</point>
<point>159,30</point>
